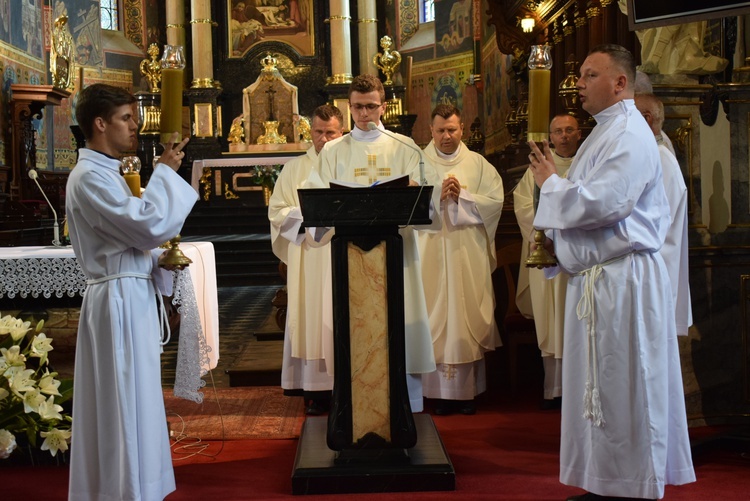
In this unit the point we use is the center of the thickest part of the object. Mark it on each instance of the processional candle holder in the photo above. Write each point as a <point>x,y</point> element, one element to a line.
<point>540,64</point>
<point>172,68</point>
<point>131,172</point>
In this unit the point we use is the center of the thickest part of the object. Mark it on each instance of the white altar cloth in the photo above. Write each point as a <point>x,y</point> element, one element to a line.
<point>48,271</point>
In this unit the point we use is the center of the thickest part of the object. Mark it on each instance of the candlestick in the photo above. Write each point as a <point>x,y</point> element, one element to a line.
<point>172,66</point>
<point>540,63</point>
<point>131,168</point>
<point>407,83</point>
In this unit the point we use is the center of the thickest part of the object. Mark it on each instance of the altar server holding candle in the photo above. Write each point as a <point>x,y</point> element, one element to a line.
<point>120,446</point>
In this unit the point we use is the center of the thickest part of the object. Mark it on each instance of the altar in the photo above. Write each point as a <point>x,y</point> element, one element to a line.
<point>44,272</point>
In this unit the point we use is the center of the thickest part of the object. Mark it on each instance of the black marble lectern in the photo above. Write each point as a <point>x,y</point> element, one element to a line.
<point>372,442</point>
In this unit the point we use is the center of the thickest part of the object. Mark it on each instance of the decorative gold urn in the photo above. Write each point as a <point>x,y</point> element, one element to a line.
<point>151,68</point>
<point>388,60</point>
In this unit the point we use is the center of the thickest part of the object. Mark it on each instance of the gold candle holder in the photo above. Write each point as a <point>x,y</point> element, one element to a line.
<point>540,64</point>
<point>173,258</point>
<point>172,67</point>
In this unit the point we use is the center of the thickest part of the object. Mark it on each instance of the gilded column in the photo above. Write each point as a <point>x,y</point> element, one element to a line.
<point>367,24</point>
<point>175,22</point>
<point>341,51</point>
<point>202,49</point>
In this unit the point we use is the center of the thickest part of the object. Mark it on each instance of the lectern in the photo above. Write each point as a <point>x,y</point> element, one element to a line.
<point>371,442</point>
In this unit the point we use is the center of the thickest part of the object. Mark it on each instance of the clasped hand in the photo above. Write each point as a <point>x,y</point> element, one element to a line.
<point>451,189</point>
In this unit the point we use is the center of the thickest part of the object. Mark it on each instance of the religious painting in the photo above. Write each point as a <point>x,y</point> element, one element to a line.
<point>255,21</point>
<point>21,25</point>
<point>85,25</point>
<point>453,27</point>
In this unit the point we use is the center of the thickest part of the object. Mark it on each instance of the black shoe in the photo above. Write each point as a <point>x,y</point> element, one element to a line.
<point>467,407</point>
<point>443,407</point>
<point>316,408</point>
<point>549,404</point>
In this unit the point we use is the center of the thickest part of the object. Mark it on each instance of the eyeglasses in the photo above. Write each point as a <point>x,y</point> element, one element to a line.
<point>559,132</point>
<point>368,107</point>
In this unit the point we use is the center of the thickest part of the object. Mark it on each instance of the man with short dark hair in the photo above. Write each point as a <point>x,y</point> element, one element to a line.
<point>308,342</point>
<point>365,156</point>
<point>120,445</point>
<point>624,428</point>
<point>457,265</point>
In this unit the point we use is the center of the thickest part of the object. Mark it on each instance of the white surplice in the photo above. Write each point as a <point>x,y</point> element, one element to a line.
<point>675,248</point>
<point>608,220</point>
<point>120,446</point>
<point>457,265</point>
<point>308,335</point>
<point>537,297</point>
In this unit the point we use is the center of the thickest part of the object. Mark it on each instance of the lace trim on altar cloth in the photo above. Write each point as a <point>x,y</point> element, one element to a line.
<point>41,277</point>
<point>192,349</point>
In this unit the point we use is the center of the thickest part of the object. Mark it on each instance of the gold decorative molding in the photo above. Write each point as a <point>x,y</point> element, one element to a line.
<point>202,83</point>
<point>201,21</point>
<point>367,20</point>
<point>342,78</point>
<point>338,18</point>
<point>204,121</point>
<point>593,12</point>
<point>172,25</point>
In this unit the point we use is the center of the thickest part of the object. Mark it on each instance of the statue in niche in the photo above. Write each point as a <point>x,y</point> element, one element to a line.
<point>61,54</point>
<point>269,99</point>
<point>304,130</point>
<point>237,131</point>
<point>676,49</point>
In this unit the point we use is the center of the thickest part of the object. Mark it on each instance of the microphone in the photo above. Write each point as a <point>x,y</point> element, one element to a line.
<point>372,126</point>
<point>56,242</point>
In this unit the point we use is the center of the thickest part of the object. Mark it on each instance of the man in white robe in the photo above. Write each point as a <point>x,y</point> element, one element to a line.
<point>365,156</point>
<point>539,298</point>
<point>624,428</point>
<point>457,266</point>
<point>308,335</point>
<point>675,248</point>
<point>120,445</point>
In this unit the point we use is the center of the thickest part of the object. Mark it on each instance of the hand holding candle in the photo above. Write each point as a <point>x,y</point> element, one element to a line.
<point>172,66</point>
<point>131,171</point>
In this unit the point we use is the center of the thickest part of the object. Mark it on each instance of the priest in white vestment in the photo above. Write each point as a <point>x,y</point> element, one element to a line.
<point>457,265</point>
<point>365,156</point>
<point>624,428</point>
<point>308,335</point>
<point>675,248</point>
<point>120,445</point>
<point>536,297</point>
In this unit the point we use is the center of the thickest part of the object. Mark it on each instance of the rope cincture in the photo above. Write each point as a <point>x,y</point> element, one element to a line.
<point>166,332</point>
<point>592,406</point>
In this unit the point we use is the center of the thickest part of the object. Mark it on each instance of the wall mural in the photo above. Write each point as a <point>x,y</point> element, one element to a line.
<point>453,27</point>
<point>85,26</point>
<point>255,21</point>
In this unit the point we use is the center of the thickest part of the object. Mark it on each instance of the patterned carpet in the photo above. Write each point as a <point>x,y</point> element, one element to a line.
<point>242,311</point>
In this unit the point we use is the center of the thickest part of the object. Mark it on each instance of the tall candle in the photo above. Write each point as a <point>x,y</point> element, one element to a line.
<point>134,183</point>
<point>171,104</point>
<point>407,83</point>
<point>540,63</point>
<point>538,125</point>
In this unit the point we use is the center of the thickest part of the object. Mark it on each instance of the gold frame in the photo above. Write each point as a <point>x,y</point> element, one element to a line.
<point>204,120</point>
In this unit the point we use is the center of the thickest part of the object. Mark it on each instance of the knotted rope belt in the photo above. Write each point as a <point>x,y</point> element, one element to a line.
<point>166,332</point>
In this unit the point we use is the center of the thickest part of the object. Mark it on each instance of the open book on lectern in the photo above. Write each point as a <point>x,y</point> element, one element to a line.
<point>400,181</point>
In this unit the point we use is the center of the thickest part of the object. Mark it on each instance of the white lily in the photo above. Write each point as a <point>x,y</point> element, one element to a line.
<point>18,329</point>
<point>49,385</point>
<point>11,357</point>
<point>40,346</point>
<point>55,440</point>
<point>49,410</point>
<point>32,400</point>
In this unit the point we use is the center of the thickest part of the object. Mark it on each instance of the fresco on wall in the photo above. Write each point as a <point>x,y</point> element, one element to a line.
<point>453,27</point>
<point>256,21</point>
<point>22,29</point>
<point>85,26</point>
<point>498,90</point>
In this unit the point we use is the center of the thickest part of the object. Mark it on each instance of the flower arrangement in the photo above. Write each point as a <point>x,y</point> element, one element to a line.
<point>30,396</point>
<point>265,175</point>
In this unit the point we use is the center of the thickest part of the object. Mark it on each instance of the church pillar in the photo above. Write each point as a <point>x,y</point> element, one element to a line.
<point>176,22</point>
<point>202,49</point>
<point>341,52</point>
<point>368,36</point>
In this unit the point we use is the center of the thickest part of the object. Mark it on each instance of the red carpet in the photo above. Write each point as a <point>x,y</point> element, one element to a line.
<point>508,451</point>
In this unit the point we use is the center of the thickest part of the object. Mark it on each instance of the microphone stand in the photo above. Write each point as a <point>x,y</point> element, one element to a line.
<point>55,227</point>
